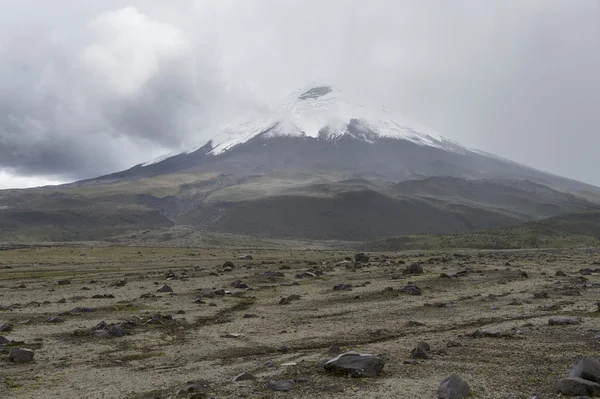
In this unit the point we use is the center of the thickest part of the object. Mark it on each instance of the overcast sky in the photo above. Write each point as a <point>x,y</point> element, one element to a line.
<point>88,88</point>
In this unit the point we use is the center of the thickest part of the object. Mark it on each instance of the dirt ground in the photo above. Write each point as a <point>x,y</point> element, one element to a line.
<point>519,355</point>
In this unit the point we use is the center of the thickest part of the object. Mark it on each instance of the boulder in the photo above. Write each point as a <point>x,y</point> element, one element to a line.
<point>20,355</point>
<point>361,258</point>
<point>578,387</point>
<point>414,268</point>
<point>164,288</point>
<point>412,289</point>
<point>421,351</point>
<point>355,364</point>
<point>453,387</point>
<point>587,368</point>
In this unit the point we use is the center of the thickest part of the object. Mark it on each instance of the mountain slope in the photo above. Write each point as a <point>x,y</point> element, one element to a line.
<point>323,129</point>
<point>321,164</point>
<point>577,229</point>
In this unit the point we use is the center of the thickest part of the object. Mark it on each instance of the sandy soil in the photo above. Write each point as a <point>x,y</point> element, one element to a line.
<point>286,342</point>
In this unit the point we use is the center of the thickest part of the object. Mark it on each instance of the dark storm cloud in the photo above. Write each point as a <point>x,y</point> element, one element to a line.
<point>93,87</point>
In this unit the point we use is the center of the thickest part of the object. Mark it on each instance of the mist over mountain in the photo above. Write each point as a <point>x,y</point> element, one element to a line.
<point>323,165</point>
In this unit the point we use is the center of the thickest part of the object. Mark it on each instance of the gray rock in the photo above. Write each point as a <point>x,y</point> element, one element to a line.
<point>282,385</point>
<point>274,274</point>
<point>587,368</point>
<point>244,377</point>
<point>56,320</point>
<point>4,340</point>
<point>164,288</point>
<point>116,331</point>
<point>412,289</point>
<point>361,258</point>
<point>198,386</point>
<point>6,327</point>
<point>343,287</point>
<point>414,268</point>
<point>419,353</point>
<point>102,334</point>
<point>453,387</point>
<point>563,321</point>
<point>20,355</point>
<point>355,364</point>
<point>64,282</point>
<point>578,387</point>
<point>81,309</point>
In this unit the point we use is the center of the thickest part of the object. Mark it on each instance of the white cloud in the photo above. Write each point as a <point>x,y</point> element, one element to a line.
<point>127,50</point>
<point>10,180</point>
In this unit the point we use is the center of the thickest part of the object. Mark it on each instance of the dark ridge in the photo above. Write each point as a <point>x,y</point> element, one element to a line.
<point>315,92</point>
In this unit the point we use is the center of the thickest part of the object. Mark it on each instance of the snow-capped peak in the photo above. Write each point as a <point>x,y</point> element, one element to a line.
<point>324,112</point>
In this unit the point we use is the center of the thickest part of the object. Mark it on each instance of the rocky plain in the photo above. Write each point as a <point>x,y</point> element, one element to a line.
<point>83,321</point>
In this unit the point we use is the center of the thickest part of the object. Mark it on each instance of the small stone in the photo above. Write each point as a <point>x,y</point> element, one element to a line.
<point>198,386</point>
<point>282,385</point>
<point>355,364</point>
<point>412,289</point>
<point>560,273</point>
<point>56,320</point>
<point>20,355</point>
<point>164,288</point>
<point>563,321</point>
<point>6,327</point>
<point>64,282</point>
<point>244,377</point>
<point>342,287</point>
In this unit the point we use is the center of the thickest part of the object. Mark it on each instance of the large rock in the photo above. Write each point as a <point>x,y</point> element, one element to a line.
<point>164,288</point>
<point>453,387</point>
<point>587,368</point>
<point>355,364</point>
<point>578,387</point>
<point>20,355</point>
<point>414,268</point>
<point>412,289</point>
<point>361,258</point>
<point>421,351</point>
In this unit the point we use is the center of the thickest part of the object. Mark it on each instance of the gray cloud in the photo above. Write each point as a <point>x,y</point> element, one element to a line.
<point>88,89</point>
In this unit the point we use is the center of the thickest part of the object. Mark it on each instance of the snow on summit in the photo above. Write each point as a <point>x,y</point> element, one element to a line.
<point>325,113</point>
